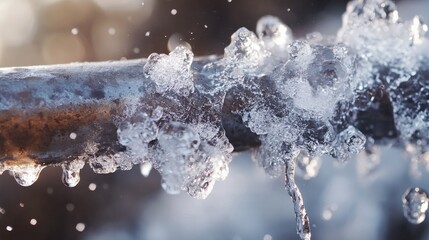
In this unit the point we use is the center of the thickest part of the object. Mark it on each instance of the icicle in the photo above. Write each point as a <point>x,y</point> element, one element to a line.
<point>302,220</point>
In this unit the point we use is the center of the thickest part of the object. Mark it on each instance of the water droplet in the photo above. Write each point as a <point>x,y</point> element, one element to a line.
<point>92,187</point>
<point>327,214</point>
<point>73,136</point>
<point>415,204</point>
<point>70,207</point>
<point>173,11</point>
<point>80,227</point>
<point>33,221</point>
<point>111,31</point>
<point>75,31</point>
<point>9,228</point>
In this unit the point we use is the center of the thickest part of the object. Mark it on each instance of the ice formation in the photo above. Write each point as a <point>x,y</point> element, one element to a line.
<point>302,97</point>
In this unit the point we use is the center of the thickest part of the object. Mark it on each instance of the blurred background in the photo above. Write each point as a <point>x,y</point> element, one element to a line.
<point>344,202</point>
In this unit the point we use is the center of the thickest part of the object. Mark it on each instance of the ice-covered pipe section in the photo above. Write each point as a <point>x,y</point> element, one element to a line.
<point>291,100</point>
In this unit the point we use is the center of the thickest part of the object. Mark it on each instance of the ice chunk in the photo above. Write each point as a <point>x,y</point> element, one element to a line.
<point>103,164</point>
<point>25,173</point>
<point>171,72</point>
<point>71,172</point>
<point>242,58</point>
<point>374,30</point>
<point>317,77</point>
<point>193,164</point>
<point>137,133</point>
<point>415,204</point>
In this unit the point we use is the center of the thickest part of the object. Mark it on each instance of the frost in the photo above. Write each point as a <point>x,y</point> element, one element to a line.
<point>171,72</point>
<point>415,204</point>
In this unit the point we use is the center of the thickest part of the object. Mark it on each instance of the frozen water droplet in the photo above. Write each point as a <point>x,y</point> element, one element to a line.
<point>145,168</point>
<point>275,35</point>
<point>176,40</point>
<point>71,172</point>
<point>415,204</point>
<point>26,174</point>
<point>171,72</point>
<point>349,142</point>
<point>244,46</point>
<point>9,228</point>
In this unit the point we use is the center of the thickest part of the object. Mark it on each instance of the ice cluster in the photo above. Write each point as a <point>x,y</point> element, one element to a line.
<point>302,97</point>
